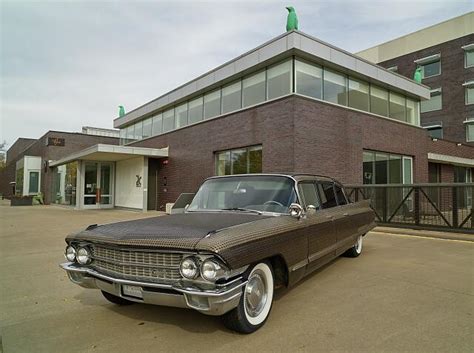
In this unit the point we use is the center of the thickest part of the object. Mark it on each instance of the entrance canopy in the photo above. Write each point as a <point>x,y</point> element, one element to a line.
<point>111,153</point>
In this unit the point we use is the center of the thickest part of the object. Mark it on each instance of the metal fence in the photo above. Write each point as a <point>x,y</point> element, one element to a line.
<point>441,206</point>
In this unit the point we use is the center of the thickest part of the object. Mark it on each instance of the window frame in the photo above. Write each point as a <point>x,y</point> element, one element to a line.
<point>467,87</point>
<point>469,122</point>
<point>248,149</point>
<point>468,48</point>
<point>433,93</point>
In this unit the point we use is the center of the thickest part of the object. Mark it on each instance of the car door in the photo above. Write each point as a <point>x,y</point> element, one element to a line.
<point>320,227</point>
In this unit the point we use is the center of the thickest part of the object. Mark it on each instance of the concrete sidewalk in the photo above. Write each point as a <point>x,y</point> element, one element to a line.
<point>425,233</point>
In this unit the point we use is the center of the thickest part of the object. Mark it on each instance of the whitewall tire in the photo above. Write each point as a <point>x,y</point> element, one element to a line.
<point>255,303</point>
<point>356,250</point>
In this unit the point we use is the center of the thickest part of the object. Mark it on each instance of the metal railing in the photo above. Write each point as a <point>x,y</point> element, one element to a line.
<point>441,206</point>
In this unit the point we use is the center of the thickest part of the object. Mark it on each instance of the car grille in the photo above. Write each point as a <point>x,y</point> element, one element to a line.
<point>134,264</point>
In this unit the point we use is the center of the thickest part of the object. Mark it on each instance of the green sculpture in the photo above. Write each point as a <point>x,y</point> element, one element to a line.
<point>292,19</point>
<point>121,111</point>
<point>417,76</point>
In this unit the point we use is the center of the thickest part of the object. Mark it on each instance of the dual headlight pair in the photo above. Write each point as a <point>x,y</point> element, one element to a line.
<point>82,255</point>
<point>209,269</point>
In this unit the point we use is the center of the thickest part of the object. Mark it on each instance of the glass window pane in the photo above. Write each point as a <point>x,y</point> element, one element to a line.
<point>139,130</point>
<point>181,115</point>
<point>309,194</point>
<point>431,69</point>
<point>239,161</point>
<point>378,100</point>
<point>253,89</point>
<point>130,133</point>
<point>223,163</point>
<point>279,80</point>
<point>33,183</point>
<point>358,94</point>
<point>232,97</point>
<point>195,110</point>
<point>328,197</point>
<point>212,104</point>
<point>147,130</point>
<point>397,106</point>
<point>381,166</point>
<point>469,58</point>
<point>168,120</point>
<point>413,112</point>
<point>123,136</point>
<point>434,103</point>
<point>341,198</point>
<point>255,159</point>
<point>436,132</point>
<point>470,95</point>
<point>368,167</point>
<point>335,87</point>
<point>157,124</point>
<point>407,170</point>
<point>309,79</point>
<point>470,132</point>
<point>395,169</point>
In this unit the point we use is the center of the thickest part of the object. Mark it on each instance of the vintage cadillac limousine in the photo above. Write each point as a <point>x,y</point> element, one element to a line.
<point>240,237</point>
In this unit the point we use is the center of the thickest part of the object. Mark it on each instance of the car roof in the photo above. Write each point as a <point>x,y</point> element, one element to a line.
<point>295,176</point>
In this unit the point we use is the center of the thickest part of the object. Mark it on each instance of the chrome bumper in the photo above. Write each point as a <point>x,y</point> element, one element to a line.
<point>215,301</point>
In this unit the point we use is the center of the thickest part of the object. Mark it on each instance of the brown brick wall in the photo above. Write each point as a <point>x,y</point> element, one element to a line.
<point>19,146</point>
<point>74,142</point>
<point>297,135</point>
<point>453,75</point>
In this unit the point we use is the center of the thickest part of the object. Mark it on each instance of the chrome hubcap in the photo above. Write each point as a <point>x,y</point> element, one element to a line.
<point>255,294</point>
<point>358,246</point>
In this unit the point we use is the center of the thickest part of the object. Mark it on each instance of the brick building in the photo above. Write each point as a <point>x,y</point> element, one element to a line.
<point>445,54</point>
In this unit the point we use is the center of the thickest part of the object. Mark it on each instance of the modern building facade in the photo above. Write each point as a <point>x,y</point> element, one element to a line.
<point>445,54</point>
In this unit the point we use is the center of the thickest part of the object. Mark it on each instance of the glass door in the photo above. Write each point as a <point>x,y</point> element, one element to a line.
<point>98,185</point>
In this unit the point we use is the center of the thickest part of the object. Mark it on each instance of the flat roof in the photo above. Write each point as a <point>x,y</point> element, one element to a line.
<point>110,153</point>
<point>287,44</point>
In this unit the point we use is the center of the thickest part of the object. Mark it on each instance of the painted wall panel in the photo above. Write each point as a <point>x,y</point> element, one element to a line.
<point>127,193</point>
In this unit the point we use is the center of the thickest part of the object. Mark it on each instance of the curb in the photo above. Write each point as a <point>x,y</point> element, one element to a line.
<point>425,233</point>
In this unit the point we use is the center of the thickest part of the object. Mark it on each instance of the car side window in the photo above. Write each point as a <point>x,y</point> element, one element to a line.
<point>340,196</point>
<point>328,197</point>
<point>309,194</point>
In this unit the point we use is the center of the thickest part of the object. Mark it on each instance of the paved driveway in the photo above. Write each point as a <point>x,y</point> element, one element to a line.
<point>404,294</point>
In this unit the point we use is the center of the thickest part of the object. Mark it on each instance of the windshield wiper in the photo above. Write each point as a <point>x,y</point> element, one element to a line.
<point>241,210</point>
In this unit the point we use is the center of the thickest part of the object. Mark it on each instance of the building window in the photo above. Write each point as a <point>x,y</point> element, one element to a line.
<point>468,55</point>
<point>212,104</point>
<point>139,130</point>
<point>157,124</point>
<point>33,186</point>
<point>232,97</point>
<point>195,110</point>
<point>130,133</point>
<point>334,87</point>
<point>386,168</point>
<point>123,136</point>
<point>308,79</point>
<point>253,89</point>
<point>435,131</point>
<point>430,66</point>
<point>469,88</point>
<point>239,161</point>
<point>279,80</point>
<point>168,120</point>
<point>358,94</point>
<point>397,107</point>
<point>434,103</point>
<point>181,115</point>
<point>378,100</point>
<point>147,127</point>
<point>469,130</point>
<point>413,112</point>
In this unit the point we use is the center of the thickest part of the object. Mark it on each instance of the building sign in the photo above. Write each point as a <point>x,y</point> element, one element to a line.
<point>56,141</point>
<point>138,183</point>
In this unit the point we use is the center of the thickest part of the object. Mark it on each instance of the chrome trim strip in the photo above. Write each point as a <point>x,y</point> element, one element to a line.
<point>299,265</point>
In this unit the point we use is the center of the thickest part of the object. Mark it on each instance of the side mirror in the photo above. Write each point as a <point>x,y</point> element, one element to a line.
<point>296,210</point>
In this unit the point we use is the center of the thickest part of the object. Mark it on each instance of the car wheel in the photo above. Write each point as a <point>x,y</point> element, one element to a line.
<point>255,303</point>
<point>356,250</point>
<point>116,300</point>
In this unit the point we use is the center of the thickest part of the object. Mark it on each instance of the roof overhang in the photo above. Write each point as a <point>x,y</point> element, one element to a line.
<point>111,153</point>
<point>287,44</point>
<point>445,159</point>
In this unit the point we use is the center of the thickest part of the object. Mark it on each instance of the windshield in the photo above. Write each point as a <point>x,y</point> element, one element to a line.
<point>243,193</point>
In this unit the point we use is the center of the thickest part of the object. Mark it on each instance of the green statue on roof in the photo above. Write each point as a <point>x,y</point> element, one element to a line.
<point>121,111</point>
<point>292,19</point>
<point>417,76</point>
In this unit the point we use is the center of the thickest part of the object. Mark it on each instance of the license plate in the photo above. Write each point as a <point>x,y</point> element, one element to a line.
<point>132,291</point>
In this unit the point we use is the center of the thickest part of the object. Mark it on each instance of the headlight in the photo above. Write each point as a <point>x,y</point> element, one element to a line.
<point>70,254</point>
<point>211,270</point>
<point>83,256</point>
<point>189,268</point>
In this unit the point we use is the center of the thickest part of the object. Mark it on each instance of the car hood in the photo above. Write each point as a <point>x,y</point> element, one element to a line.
<point>171,231</point>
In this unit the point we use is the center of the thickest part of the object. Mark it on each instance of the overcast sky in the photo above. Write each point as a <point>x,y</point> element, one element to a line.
<point>69,64</point>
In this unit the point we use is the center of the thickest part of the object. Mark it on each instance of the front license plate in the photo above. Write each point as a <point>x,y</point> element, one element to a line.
<point>132,291</point>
